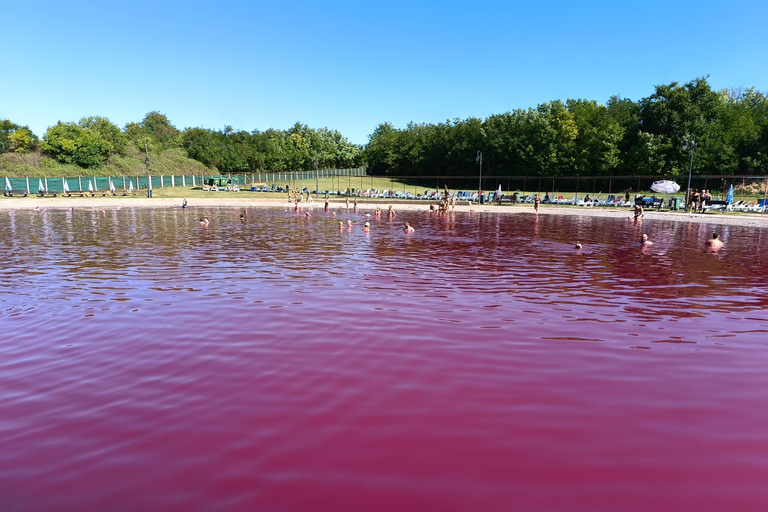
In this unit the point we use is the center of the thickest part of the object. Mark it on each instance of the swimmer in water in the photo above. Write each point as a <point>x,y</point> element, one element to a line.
<point>341,225</point>
<point>644,240</point>
<point>714,242</point>
<point>203,221</point>
<point>409,228</point>
<point>367,227</point>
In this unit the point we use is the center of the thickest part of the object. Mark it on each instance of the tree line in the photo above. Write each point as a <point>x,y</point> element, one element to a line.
<point>572,138</point>
<point>586,138</point>
<point>90,142</point>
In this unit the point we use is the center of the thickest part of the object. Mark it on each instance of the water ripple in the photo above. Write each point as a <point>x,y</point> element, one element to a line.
<point>280,363</point>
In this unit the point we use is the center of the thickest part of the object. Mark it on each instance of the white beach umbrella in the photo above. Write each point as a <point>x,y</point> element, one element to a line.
<point>65,185</point>
<point>40,186</point>
<point>665,187</point>
<point>90,186</point>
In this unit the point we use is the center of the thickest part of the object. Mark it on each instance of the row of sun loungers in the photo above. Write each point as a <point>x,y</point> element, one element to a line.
<point>610,201</point>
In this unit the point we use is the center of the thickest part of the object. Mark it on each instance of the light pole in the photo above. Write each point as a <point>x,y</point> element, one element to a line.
<point>317,181</point>
<point>689,144</point>
<point>479,159</point>
<point>149,179</point>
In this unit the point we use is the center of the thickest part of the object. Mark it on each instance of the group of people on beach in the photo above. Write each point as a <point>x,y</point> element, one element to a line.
<point>697,200</point>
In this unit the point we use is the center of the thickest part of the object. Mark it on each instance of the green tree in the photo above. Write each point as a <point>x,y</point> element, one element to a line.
<point>79,144</point>
<point>201,145</point>
<point>104,129</point>
<point>626,114</point>
<point>16,138</point>
<point>596,146</point>
<point>381,150</point>
<point>677,113</point>
<point>155,130</point>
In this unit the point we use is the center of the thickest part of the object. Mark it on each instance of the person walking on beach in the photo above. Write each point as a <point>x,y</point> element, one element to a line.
<point>184,203</point>
<point>536,202</point>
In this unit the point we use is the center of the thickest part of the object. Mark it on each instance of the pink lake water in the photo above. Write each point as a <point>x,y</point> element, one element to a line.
<point>281,364</point>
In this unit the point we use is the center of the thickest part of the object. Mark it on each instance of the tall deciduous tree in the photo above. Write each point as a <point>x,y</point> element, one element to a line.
<point>87,143</point>
<point>155,130</point>
<point>16,138</point>
<point>675,113</point>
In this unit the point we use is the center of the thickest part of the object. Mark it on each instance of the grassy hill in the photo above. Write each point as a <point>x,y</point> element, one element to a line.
<point>131,163</point>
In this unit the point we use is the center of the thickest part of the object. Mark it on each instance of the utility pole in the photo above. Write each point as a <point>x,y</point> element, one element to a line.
<point>689,144</point>
<point>317,181</point>
<point>479,158</point>
<point>149,178</point>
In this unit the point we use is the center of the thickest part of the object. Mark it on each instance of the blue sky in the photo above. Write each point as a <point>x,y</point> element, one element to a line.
<point>350,66</point>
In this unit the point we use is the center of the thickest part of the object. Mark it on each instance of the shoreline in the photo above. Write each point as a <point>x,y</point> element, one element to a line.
<point>37,203</point>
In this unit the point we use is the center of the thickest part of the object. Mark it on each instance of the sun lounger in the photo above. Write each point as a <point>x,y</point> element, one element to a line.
<point>715,205</point>
<point>81,193</point>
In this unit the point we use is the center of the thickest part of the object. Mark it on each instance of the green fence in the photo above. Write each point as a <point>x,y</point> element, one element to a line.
<point>101,183</point>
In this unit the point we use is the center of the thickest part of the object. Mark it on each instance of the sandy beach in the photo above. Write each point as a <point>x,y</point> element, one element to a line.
<point>31,203</point>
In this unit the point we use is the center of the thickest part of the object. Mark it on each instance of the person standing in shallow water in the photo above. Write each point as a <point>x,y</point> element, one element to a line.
<point>536,202</point>
<point>638,211</point>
